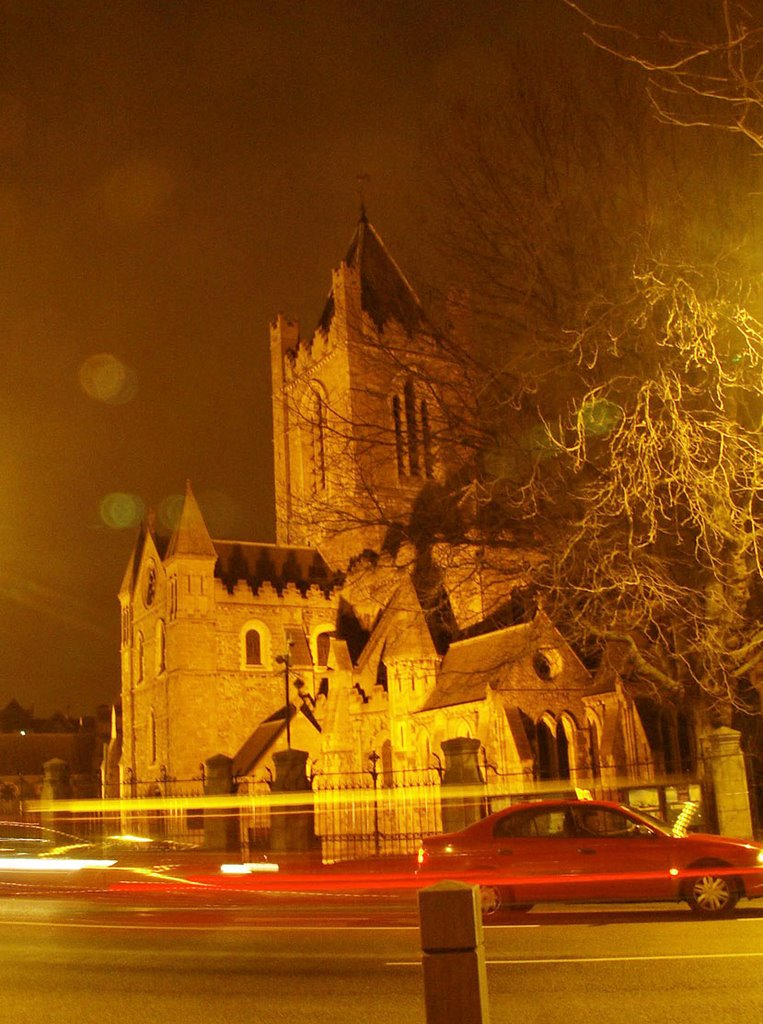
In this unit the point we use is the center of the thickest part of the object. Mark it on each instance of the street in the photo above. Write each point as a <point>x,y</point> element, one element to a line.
<point>78,960</point>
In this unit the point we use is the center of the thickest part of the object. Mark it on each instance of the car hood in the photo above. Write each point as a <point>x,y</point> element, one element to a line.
<point>721,841</point>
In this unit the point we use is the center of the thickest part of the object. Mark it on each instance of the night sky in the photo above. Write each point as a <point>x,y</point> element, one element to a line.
<point>172,175</point>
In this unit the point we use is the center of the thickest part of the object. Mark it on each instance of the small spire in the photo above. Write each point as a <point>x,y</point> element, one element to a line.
<point>191,536</point>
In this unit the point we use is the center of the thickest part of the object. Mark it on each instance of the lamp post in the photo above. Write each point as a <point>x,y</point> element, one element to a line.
<point>285,660</point>
<point>373,761</point>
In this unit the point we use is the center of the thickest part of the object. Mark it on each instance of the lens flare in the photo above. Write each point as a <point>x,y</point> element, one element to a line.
<point>169,511</point>
<point>121,511</point>
<point>107,379</point>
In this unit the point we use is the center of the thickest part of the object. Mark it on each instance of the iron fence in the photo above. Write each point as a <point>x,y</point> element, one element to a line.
<point>371,814</point>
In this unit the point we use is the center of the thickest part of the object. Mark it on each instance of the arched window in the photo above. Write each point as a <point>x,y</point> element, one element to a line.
<point>141,657</point>
<point>152,737</point>
<point>412,428</point>
<point>553,749</point>
<point>546,766</point>
<point>381,676</point>
<point>562,752</point>
<point>322,646</point>
<point>253,647</point>
<point>397,419</point>
<point>593,746</point>
<point>319,441</point>
<point>161,646</point>
<point>670,736</point>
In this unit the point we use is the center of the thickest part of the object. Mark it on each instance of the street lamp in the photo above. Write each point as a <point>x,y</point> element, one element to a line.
<point>285,660</point>
<point>373,770</point>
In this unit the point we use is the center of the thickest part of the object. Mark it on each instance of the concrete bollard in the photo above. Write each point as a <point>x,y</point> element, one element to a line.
<point>453,954</point>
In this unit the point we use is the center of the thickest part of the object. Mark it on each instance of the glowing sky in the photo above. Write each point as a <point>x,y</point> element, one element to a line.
<point>172,175</point>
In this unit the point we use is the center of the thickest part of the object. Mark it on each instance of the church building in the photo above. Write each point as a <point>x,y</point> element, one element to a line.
<point>350,633</point>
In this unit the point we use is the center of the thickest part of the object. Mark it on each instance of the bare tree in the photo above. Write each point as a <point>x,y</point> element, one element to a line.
<point>708,75</point>
<point>615,271</point>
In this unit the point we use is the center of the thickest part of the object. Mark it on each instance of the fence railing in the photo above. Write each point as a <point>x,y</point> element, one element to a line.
<point>360,815</point>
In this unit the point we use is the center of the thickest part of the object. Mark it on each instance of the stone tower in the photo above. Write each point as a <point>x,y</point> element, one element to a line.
<point>357,407</point>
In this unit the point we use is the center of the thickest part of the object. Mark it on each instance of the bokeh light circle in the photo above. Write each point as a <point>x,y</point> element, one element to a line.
<point>107,379</point>
<point>121,511</point>
<point>169,511</point>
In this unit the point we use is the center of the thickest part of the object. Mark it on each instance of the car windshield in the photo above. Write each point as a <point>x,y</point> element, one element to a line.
<point>652,820</point>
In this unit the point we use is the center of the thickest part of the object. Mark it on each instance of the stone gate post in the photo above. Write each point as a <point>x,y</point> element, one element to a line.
<point>56,785</point>
<point>462,772</point>
<point>221,824</point>
<point>292,826</point>
<point>730,783</point>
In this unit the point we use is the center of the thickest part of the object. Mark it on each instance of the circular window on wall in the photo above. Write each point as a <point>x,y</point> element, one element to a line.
<point>547,663</point>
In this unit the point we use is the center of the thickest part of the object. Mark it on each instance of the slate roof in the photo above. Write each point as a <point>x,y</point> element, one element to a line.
<point>190,536</point>
<point>385,293</point>
<point>264,737</point>
<point>260,742</point>
<point>507,660</point>
<point>279,565</point>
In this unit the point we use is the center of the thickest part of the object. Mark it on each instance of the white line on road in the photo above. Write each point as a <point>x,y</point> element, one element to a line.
<point>596,959</point>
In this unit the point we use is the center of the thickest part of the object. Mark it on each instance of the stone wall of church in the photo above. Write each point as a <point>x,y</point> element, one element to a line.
<point>205,699</point>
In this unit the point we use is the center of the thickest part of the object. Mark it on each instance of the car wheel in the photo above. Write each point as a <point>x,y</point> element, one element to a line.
<point>712,895</point>
<point>490,899</point>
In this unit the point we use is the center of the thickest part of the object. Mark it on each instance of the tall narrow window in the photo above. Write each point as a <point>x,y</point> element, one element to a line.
<point>152,736</point>
<point>426,439</point>
<point>253,647</point>
<point>322,645</point>
<point>141,657</point>
<point>399,445</point>
<point>547,766</point>
<point>161,646</point>
<point>412,429</point>
<point>319,443</point>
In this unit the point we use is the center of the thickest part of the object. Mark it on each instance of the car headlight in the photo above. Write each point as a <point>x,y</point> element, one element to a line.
<point>760,857</point>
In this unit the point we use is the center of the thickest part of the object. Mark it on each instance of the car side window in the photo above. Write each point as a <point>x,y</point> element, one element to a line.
<point>606,823</point>
<point>548,823</point>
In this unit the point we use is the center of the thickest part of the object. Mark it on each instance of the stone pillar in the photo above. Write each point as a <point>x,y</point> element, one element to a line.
<point>221,825</point>
<point>453,954</point>
<point>730,784</point>
<point>56,785</point>
<point>292,825</point>
<point>461,772</point>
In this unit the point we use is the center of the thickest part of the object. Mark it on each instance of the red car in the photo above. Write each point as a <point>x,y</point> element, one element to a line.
<point>559,850</point>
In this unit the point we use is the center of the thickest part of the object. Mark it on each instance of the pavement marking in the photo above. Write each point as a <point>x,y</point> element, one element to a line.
<point>187,926</point>
<point>596,959</point>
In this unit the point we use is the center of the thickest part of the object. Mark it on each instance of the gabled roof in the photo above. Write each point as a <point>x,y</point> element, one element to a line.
<point>264,737</point>
<point>401,631</point>
<point>385,292</point>
<point>146,544</point>
<point>260,742</point>
<point>532,656</point>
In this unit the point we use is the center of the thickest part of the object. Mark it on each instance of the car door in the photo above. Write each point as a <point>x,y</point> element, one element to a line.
<point>534,852</point>
<point>620,857</point>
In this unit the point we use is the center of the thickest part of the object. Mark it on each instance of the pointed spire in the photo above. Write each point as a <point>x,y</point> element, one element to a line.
<point>385,292</point>
<point>131,572</point>
<point>191,536</point>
